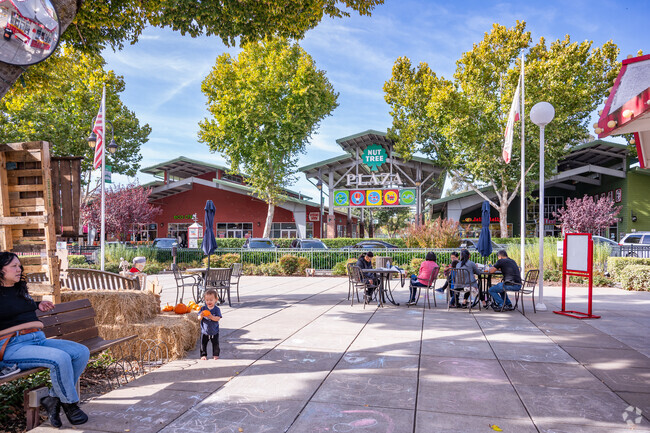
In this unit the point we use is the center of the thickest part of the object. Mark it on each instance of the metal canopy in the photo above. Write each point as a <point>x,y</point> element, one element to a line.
<point>598,152</point>
<point>415,172</point>
<point>182,168</point>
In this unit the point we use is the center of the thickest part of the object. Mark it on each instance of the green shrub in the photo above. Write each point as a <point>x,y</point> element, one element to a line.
<point>74,260</point>
<point>11,397</point>
<point>439,233</point>
<point>270,268</point>
<point>414,266</point>
<point>344,242</point>
<point>153,268</point>
<point>616,264</point>
<point>552,275</point>
<point>215,261</point>
<point>601,280</point>
<point>289,264</point>
<point>341,268</point>
<point>251,269</point>
<point>228,259</point>
<point>635,277</point>
<point>303,263</point>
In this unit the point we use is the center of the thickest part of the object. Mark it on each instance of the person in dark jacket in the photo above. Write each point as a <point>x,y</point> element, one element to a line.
<point>511,280</point>
<point>365,262</point>
<point>23,343</point>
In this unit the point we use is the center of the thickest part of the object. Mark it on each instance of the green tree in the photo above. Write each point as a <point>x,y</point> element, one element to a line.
<point>460,123</point>
<point>265,104</point>
<point>393,219</point>
<point>57,104</point>
<point>93,25</point>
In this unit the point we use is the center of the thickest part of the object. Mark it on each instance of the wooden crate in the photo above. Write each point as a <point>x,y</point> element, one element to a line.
<point>66,184</point>
<point>27,219</point>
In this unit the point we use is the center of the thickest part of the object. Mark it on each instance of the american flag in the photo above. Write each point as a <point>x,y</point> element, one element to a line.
<point>98,129</point>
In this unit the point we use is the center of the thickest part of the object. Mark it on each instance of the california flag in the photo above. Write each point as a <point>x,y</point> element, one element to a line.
<point>512,118</point>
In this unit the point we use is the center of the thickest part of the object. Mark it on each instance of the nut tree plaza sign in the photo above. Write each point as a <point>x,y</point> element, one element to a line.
<point>374,156</point>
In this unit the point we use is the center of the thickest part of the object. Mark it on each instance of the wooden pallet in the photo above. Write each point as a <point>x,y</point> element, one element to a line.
<point>27,222</point>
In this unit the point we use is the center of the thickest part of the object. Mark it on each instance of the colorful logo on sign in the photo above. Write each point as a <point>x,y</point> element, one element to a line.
<point>373,197</point>
<point>391,197</point>
<point>341,198</point>
<point>407,197</point>
<point>374,156</point>
<point>357,198</point>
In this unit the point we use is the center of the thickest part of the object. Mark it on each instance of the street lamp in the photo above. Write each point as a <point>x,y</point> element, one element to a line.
<point>92,138</point>
<point>541,115</point>
<point>319,185</point>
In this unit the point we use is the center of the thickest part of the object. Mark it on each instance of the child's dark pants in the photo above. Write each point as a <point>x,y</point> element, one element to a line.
<point>215,344</point>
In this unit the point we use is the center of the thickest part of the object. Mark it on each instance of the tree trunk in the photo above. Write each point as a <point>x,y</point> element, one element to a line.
<point>503,218</point>
<point>269,220</point>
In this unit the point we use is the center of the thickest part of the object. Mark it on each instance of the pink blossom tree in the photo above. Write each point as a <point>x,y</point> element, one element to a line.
<point>587,215</point>
<point>125,205</point>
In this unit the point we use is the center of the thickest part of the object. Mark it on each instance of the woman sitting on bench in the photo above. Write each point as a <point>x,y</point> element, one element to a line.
<point>23,343</point>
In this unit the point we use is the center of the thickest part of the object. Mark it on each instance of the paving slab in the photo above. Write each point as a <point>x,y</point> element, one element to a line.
<point>297,357</point>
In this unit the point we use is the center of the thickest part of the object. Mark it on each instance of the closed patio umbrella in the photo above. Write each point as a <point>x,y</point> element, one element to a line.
<point>485,239</point>
<point>209,244</point>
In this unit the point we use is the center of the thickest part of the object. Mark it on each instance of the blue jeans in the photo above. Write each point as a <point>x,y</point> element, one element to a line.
<point>65,359</point>
<point>497,289</point>
<point>413,287</point>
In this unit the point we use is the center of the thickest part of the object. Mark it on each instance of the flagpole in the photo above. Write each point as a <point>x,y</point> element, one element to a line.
<point>102,180</point>
<point>522,205</point>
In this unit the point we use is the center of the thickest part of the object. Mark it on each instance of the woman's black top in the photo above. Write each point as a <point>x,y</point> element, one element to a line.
<point>16,309</point>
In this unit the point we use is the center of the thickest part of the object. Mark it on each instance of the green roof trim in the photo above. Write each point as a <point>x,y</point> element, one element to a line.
<point>361,134</point>
<point>158,167</point>
<point>596,143</point>
<point>459,195</point>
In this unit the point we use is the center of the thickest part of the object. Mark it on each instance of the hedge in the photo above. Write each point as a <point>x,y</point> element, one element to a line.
<point>635,277</point>
<point>616,264</point>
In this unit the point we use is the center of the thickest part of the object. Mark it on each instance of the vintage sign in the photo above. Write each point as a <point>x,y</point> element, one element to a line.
<point>391,197</point>
<point>407,197</point>
<point>314,216</point>
<point>374,156</point>
<point>374,197</point>
<point>373,179</point>
<point>358,198</point>
<point>342,198</point>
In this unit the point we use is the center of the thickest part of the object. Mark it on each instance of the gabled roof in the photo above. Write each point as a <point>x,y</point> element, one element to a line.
<point>182,168</point>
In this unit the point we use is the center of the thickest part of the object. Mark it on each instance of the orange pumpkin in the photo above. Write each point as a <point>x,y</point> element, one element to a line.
<point>167,308</point>
<point>181,308</point>
<point>205,313</point>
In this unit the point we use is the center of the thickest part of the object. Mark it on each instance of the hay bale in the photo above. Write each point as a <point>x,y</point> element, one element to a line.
<point>114,307</point>
<point>179,331</point>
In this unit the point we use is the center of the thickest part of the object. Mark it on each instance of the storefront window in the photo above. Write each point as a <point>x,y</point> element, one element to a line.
<point>284,230</point>
<point>234,230</point>
<point>340,231</point>
<point>310,230</point>
<point>551,205</point>
<point>179,232</point>
<point>143,232</point>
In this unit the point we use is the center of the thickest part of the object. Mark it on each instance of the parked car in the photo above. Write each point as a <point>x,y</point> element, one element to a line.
<point>371,245</point>
<point>472,244</point>
<point>308,244</point>
<point>636,244</point>
<point>600,240</point>
<point>258,243</point>
<point>164,243</point>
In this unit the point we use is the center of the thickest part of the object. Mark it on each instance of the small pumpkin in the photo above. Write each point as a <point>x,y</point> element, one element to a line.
<point>196,307</point>
<point>181,308</point>
<point>167,308</point>
<point>205,313</point>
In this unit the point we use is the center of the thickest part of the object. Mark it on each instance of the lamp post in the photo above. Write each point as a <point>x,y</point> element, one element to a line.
<point>112,147</point>
<point>319,185</point>
<point>541,115</point>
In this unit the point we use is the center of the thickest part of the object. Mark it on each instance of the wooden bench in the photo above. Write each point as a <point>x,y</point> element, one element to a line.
<point>93,279</point>
<point>73,321</point>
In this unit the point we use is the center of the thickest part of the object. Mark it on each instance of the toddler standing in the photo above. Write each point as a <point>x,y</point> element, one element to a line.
<point>209,315</point>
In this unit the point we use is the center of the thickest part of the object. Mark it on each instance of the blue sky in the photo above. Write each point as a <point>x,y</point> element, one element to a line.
<point>164,70</point>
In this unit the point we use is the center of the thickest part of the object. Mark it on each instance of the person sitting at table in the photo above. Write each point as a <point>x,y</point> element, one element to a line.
<point>511,281</point>
<point>365,262</point>
<point>422,278</point>
<point>472,269</point>
<point>447,272</point>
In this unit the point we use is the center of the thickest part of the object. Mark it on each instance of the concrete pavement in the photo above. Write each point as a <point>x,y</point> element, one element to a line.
<point>297,358</point>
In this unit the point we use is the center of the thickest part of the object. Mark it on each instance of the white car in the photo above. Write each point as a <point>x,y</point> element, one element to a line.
<point>637,238</point>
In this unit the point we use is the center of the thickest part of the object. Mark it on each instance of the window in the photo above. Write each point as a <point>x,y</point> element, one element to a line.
<point>232,178</point>
<point>234,230</point>
<point>340,231</point>
<point>284,230</point>
<point>633,239</point>
<point>179,232</point>
<point>143,232</point>
<point>310,230</point>
<point>646,240</point>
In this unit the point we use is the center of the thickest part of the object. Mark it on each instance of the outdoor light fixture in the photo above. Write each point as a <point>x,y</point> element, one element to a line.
<point>92,138</point>
<point>541,114</point>
<point>632,216</point>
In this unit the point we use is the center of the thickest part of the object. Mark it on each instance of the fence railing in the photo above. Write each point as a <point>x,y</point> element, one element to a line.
<point>641,251</point>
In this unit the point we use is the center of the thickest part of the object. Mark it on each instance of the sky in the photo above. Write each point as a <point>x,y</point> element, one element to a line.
<point>163,71</point>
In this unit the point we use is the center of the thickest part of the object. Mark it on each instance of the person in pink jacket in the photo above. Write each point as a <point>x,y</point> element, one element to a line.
<point>422,278</point>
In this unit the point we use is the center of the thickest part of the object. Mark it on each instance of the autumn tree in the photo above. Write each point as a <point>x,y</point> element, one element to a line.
<point>459,123</point>
<point>58,102</point>
<point>265,104</point>
<point>93,25</point>
<point>126,205</point>
<point>587,215</point>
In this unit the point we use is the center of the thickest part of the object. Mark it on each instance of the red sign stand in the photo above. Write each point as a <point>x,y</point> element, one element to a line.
<point>578,261</point>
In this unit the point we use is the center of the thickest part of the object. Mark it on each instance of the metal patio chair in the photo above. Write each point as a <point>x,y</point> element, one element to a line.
<point>431,286</point>
<point>182,281</point>
<point>527,288</point>
<point>359,281</point>
<point>236,274</point>
<point>461,277</point>
<point>218,279</point>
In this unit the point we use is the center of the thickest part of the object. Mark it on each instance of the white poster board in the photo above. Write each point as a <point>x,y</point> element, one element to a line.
<point>577,252</point>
